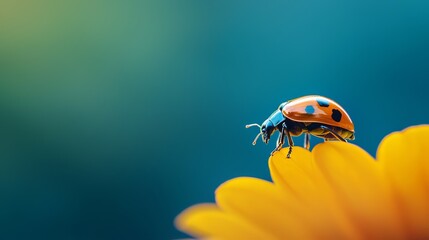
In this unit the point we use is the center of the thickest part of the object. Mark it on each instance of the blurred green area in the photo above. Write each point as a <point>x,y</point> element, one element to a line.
<point>117,115</point>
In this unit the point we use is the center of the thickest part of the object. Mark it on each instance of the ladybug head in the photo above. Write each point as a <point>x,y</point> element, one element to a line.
<point>269,126</point>
<point>266,130</point>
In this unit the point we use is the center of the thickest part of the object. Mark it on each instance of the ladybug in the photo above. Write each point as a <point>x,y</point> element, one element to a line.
<point>312,115</point>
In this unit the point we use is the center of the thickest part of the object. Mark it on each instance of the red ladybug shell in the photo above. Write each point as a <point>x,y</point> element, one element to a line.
<point>317,109</point>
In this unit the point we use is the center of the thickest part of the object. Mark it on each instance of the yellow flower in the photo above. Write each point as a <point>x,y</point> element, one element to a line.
<point>337,191</point>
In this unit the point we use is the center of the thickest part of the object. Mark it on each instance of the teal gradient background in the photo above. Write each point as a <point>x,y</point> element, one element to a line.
<point>117,115</point>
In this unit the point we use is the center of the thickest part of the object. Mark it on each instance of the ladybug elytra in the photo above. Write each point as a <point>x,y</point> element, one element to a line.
<point>312,115</point>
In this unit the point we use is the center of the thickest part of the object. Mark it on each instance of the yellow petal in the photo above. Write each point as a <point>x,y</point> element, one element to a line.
<point>404,157</point>
<point>263,205</point>
<point>296,174</point>
<point>209,222</point>
<point>336,192</point>
<point>356,180</point>
<point>300,176</point>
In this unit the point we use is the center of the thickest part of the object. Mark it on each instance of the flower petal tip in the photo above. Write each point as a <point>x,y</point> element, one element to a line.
<point>197,220</point>
<point>414,136</point>
<point>183,219</point>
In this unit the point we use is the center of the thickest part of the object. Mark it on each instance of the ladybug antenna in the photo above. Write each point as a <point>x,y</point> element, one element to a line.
<point>256,138</point>
<point>259,134</point>
<point>253,125</point>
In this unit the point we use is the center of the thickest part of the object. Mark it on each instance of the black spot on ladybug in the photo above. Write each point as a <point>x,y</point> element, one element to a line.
<point>322,102</point>
<point>336,115</point>
<point>309,109</point>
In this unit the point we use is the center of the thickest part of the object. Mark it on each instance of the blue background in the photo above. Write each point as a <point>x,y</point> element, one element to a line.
<point>117,115</point>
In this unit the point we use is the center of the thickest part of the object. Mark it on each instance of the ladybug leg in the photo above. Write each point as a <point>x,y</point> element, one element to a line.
<point>289,139</point>
<point>333,133</point>
<point>307,141</point>
<point>280,141</point>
